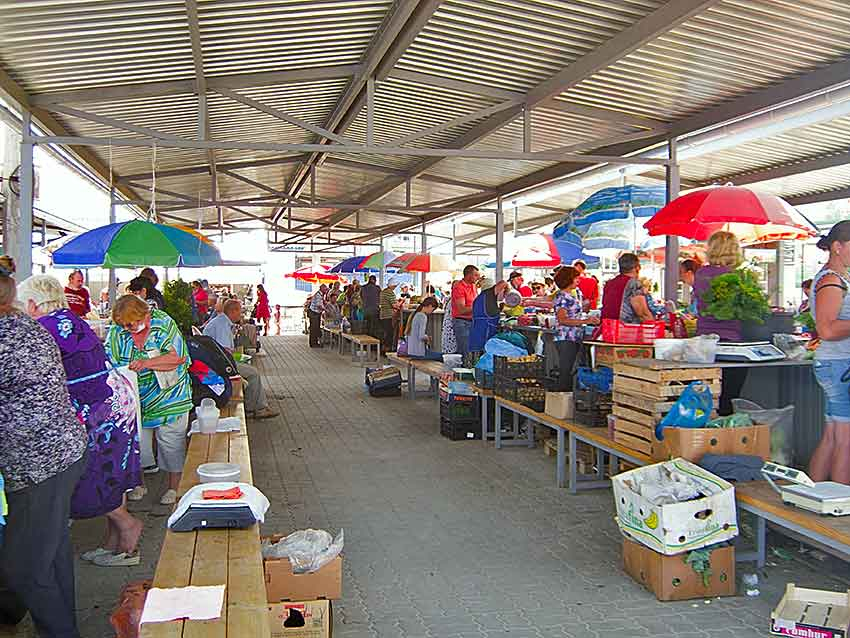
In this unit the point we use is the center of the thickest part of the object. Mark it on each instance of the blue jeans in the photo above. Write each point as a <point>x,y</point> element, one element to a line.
<point>830,374</point>
<point>462,328</point>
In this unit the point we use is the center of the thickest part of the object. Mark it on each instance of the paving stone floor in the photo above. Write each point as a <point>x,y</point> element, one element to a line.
<point>443,539</point>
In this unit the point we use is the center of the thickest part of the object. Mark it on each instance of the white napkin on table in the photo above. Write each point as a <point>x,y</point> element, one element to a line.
<point>191,603</point>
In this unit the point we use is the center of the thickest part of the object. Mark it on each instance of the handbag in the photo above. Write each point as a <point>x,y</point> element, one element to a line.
<point>401,350</point>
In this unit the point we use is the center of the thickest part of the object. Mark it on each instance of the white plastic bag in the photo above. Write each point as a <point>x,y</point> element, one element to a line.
<point>702,349</point>
<point>670,349</point>
<point>308,550</point>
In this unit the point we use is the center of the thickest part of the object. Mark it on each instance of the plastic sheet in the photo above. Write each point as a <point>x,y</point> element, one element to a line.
<point>126,618</point>
<point>781,422</point>
<point>500,347</point>
<point>308,550</point>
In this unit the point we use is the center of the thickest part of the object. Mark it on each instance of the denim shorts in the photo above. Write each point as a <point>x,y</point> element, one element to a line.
<point>829,373</point>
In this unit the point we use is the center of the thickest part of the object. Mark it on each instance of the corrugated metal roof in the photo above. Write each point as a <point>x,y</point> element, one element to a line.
<point>734,47</point>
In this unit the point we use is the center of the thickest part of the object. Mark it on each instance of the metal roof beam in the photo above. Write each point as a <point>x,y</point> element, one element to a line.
<point>670,15</point>
<point>778,171</point>
<point>814,198</point>
<point>261,186</point>
<point>113,122</point>
<point>463,119</point>
<point>230,166</point>
<point>401,26</point>
<point>280,115</point>
<point>115,92</point>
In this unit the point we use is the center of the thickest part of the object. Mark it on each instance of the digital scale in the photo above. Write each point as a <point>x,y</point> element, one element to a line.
<point>752,352</point>
<point>194,512</point>
<point>825,497</point>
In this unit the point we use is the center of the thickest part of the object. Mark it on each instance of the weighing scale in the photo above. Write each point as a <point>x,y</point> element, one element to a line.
<point>752,352</point>
<point>193,511</point>
<point>825,497</point>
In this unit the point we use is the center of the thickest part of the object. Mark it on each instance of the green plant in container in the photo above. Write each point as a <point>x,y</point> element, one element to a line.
<point>737,295</point>
<point>177,294</point>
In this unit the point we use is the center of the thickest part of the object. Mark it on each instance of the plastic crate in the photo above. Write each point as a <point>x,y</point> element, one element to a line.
<point>592,407</point>
<point>530,367</point>
<point>483,379</point>
<point>615,331</point>
<point>470,359</point>
<point>531,394</point>
<point>459,406</point>
<point>602,378</point>
<point>460,430</point>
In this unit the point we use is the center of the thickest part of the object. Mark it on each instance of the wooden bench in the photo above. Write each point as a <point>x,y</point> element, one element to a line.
<point>432,369</point>
<point>367,351</point>
<point>568,431</point>
<point>215,557</point>
<point>333,337</point>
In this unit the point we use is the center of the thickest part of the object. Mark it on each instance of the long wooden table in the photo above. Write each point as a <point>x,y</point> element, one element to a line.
<point>215,557</point>
<point>571,432</point>
<point>759,498</point>
<point>432,369</point>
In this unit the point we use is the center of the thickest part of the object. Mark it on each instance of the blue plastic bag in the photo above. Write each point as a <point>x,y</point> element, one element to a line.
<point>499,347</point>
<point>691,410</point>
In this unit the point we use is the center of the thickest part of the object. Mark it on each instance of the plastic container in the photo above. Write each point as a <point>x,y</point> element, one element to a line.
<point>219,472</point>
<point>208,415</point>
<point>615,331</point>
<point>453,360</point>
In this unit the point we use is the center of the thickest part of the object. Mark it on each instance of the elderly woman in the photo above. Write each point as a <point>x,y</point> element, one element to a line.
<point>42,448</point>
<point>149,342</point>
<point>105,401</point>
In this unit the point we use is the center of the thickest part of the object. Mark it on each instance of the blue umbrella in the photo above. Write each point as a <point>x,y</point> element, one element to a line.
<point>620,202</point>
<point>351,265</point>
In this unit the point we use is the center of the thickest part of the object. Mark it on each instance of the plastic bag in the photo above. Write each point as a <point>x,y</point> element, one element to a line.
<point>781,422</point>
<point>401,349</point>
<point>308,550</point>
<point>691,410</point>
<point>126,618</point>
<point>790,345</point>
<point>497,346</point>
<point>702,349</point>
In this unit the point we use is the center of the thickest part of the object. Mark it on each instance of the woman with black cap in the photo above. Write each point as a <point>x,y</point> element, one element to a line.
<point>830,306</point>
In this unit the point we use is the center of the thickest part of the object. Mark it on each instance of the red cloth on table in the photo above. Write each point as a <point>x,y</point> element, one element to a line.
<point>232,494</point>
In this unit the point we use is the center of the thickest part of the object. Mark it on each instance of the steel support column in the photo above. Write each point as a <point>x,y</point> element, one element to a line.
<point>17,234</point>
<point>424,275</point>
<point>113,280</point>
<point>500,240</point>
<point>671,255</point>
<point>454,240</point>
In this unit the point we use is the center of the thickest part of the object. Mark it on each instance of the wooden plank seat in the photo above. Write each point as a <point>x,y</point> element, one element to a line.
<point>365,350</point>
<point>215,557</point>
<point>432,369</point>
<point>332,336</point>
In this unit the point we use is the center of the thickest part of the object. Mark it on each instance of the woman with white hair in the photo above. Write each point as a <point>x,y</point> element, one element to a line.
<point>104,400</point>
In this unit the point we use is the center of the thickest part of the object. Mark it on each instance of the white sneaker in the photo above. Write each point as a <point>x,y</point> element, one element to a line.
<point>169,498</point>
<point>90,555</point>
<point>137,493</point>
<point>118,560</point>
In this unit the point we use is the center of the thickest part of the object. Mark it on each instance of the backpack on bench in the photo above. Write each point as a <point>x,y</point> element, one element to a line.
<point>211,369</point>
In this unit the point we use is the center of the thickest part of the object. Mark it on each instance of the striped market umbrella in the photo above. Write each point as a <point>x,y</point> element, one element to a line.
<point>422,262</point>
<point>321,276</point>
<point>136,243</point>
<point>377,261</point>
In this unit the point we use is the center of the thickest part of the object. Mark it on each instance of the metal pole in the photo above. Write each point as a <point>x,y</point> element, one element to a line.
<point>500,240</point>
<point>424,250</point>
<point>20,246</point>
<point>370,110</point>
<point>380,271</point>
<point>113,280</point>
<point>454,240</point>
<point>671,255</point>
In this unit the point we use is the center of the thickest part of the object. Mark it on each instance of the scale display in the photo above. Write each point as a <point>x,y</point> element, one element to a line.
<point>749,352</point>
<point>823,497</point>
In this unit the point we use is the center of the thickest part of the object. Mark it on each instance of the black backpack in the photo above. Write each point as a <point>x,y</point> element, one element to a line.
<point>211,369</point>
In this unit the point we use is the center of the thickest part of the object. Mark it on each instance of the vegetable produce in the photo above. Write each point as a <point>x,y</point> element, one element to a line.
<point>737,295</point>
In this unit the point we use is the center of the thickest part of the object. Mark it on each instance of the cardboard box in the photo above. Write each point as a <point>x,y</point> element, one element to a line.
<point>282,584</point>
<point>609,354</point>
<point>317,615</point>
<point>559,405</point>
<point>811,613</point>
<point>694,443</point>
<point>671,578</point>
<point>678,527</point>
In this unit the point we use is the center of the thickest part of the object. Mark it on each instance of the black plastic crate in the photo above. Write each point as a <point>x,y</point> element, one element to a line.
<point>531,393</point>
<point>592,407</point>
<point>459,406</point>
<point>531,366</point>
<point>483,379</point>
<point>470,359</point>
<point>460,430</point>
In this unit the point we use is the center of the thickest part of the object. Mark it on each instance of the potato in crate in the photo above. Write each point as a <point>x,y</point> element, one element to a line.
<point>530,366</point>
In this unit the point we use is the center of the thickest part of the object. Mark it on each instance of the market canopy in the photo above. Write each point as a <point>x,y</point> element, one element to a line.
<point>136,243</point>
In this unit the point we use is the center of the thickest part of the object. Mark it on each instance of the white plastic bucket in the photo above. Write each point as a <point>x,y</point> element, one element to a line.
<point>219,472</point>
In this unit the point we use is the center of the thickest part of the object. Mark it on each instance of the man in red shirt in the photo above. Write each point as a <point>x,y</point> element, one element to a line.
<point>77,295</point>
<point>463,295</point>
<point>588,285</point>
<point>612,295</point>
<point>518,283</point>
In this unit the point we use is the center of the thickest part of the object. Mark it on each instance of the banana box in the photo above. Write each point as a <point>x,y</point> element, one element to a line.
<point>678,527</point>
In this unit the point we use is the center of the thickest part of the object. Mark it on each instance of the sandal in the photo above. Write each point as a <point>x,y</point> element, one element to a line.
<point>118,560</point>
<point>90,555</point>
<point>137,493</point>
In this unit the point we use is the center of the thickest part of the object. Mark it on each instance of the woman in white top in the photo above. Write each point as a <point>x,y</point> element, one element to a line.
<point>416,333</point>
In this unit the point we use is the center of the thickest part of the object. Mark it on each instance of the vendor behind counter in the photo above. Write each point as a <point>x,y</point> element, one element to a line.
<point>723,255</point>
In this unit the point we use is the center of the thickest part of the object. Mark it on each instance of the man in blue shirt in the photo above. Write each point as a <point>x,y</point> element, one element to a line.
<point>221,329</point>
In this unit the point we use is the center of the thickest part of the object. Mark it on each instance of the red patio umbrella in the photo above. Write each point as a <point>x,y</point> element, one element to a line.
<point>422,262</point>
<point>321,276</point>
<point>752,216</point>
